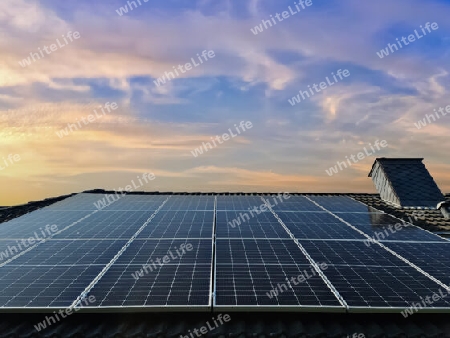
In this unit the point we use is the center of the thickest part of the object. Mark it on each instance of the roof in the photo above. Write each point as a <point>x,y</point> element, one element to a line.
<point>241,325</point>
<point>275,324</point>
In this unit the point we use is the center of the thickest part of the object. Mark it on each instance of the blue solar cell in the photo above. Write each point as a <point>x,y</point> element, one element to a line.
<point>383,286</point>
<point>317,225</point>
<point>107,224</point>
<point>236,224</point>
<point>170,285</point>
<point>260,285</point>
<point>341,204</point>
<point>173,251</point>
<point>71,252</point>
<point>294,203</point>
<point>433,258</point>
<point>79,202</point>
<point>350,253</point>
<point>237,202</point>
<point>44,286</point>
<point>119,202</point>
<point>385,227</point>
<point>180,224</point>
<point>192,203</point>
<point>35,222</point>
<point>258,251</point>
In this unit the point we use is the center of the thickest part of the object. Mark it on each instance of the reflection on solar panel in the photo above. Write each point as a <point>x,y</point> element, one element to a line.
<point>203,252</point>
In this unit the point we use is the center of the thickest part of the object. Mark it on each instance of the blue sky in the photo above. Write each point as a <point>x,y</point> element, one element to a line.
<point>155,129</point>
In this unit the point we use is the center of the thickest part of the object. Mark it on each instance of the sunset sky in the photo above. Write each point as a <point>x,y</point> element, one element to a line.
<point>155,129</point>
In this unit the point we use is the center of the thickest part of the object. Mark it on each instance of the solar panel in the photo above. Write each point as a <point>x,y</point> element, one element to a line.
<point>27,225</point>
<point>238,203</point>
<point>294,203</point>
<point>44,286</point>
<point>341,204</point>
<point>200,252</point>
<point>249,273</point>
<point>317,225</point>
<point>433,258</point>
<point>176,273</point>
<point>180,224</point>
<point>365,288</point>
<point>186,202</point>
<point>253,287</point>
<point>107,224</point>
<point>236,224</point>
<point>386,227</point>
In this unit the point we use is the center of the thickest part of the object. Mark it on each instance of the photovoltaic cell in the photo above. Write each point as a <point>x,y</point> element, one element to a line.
<point>384,227</point>
<point>171,277</point>
<point>258,251</point>
<point>433,258</point>
<point>79,202</point>
<point>248,272</point>
<point>180,224</point>
<point>26,226</point>
<point>255,285</point>
<point>295,203</point>
<point>119,202</point>
<point>170,285</point>
<point>43,286</point>
<point>107,224</point>
<point>192,203</point>
<point>350,253</point>
<point>317,225</point>
<point>371,276</point>
<point>234,224</point>
<point>236,202</point>
<point>176,251</point>
<point>341,204</point>
<point>71,252</point>
<point>382,286</point>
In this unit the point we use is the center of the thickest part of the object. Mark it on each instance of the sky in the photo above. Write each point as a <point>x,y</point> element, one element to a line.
<point>115,55</point>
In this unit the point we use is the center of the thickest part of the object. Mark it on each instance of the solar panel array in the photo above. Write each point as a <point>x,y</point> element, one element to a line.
<point>223,252</point>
